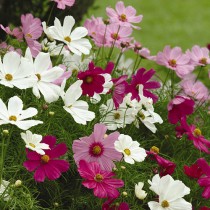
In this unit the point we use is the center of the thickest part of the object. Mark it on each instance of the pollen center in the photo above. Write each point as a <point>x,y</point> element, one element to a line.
<point>8,77</point>
<point>67,38</point>
<point>197,132</point>
<point>172,63</point>
<point>89,79</point>
<point>29,35</point>
<point>117,116</point>
<point>96,150</point>
<point>38,76</point>
<point>32,145</point>
<point>203,61</point>
<point>123,18</point>
<point>45,158</point>
<point>165,204</point>
<point>13,118</point>
<point>115,36</point>
<point>141,115</point>
<point>154,149</point>
<point>127,152</point>
<point>98,178</point>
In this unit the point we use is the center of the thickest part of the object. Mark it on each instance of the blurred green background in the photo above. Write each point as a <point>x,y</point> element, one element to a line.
<point>181,23</point>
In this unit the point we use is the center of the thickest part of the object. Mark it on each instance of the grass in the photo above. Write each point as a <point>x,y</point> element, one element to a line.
<point>176,23</point>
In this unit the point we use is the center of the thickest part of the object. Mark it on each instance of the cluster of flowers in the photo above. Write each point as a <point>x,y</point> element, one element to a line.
<point>128,94</point>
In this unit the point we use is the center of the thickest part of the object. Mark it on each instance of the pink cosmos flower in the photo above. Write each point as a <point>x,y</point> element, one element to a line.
<point>193,171</point>
<point>101,181</point>
<point>61,4</point>
<point>32,30</point>
<point>145,53</point>
<point>179,107</point>
<point>166,166</point>
<point>116,35</point>
<point>16,32</point>
<point>119,89</point>
<point>195,89</point>
<point>123,16</point>
<point>98,147</point>
<point>199,56</point>
<point>142,77</point>
<point>8,48</point>
<point>204,181</point>
<point>108,205</point>
<point>194,134</point>
<point>93,80</point>
<point>47,165</point>
<point>174,59</point>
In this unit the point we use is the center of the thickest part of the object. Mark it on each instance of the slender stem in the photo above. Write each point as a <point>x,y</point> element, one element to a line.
<point>172,84</point>
<point>137,66</point>
<point>59,55</point>
<point>2,159</point>
<point>104,42</point>
<point>118,59</point>
<point>164,83</point>
<point>52,8</point>
<point>134,66</point>
<point>198,73</point>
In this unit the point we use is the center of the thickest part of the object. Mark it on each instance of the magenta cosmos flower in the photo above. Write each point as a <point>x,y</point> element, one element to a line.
<point>193,171</point>
<point>142,77</point>
<point>204,181</point>
<point>61,4</point>
<point>204,208</point>
<point>194,134</point>
<point>174,59</point>
<point>47,165</point>
<point>123,16</point>
<point>98,147</point>
<point>32,30</point>
<point>179,107</point>
<point>108,205</point>
<point>101,181</point>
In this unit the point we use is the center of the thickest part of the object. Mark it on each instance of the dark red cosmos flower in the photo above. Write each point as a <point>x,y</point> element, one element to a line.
<point>193,171</point>
<point>108,205</point>
<point>204,208</point>
<point>179,107</point>
<point>47,165</point>
<point>142,77</point>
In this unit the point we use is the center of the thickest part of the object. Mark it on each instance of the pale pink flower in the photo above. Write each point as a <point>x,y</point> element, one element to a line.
<point>16,32</point>
<point>174,59</point>
<point>8,48</point>
<point>32,30</point>
<point>199,55</point>
<point>116,34</point>
<point>123,16</point>
<point>61,4</point>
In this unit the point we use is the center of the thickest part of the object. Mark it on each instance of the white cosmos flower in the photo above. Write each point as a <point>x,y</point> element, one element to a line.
<point>33,142</point>
<point>14,71</point>
<point>140,194</point>
<point>73,39</point>
<point>15,114</point>
<point>45,76</point>
<point>4,190</point>
<point>77,108</point>
<point>170,194</point>
<point>130,149</point>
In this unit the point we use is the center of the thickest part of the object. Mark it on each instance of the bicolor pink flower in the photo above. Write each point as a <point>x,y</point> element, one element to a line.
<point>165,166</point>
<point>16,32</point>
<point>195,89</point>
<point>194,134</point>
<point>61,4</point>
<point>32,30</point>
<point>98,147</point>
<point>93,80</point>
<point>179,107</point>
<point>193,171</point>
<point>119,90</point>
<point>123,16</point>
<point>174,59</point>
<point>47,165</point>
<point>108,205</point>
<point>204,181</point>
<point>199,55</point>
<point>115,35</point>
<point>142,77</point>
<point>101,181</point>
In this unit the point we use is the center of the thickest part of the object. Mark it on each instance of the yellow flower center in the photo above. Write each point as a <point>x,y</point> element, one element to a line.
<point>115,36</point>
<point>141,115</point>
<point>154,149</point>
<point>38,76</point>
<point>165,204</point>
<point>67,38</point>
<point>89,79</point>
<point>127,152</point>
<point>13,118</point>
<point>203,61</point>
<point>123,17</point>
<point>45,158</point>
<point>32,145</point>
<point>8,77</point>
<point>98,178</point>
<point>197,132</point>
<point>117,115</point>
<point>172,63</point>
<point>96,150</point>
<point>29,35</point>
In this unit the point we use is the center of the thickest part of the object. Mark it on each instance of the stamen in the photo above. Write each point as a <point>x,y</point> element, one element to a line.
<point>45,158</point>
<point>98,178</point>
<point>38,76</point>
<point>127,152</point>
<point>165,204</point>
<point>117,115</point>
<point>197,132</point>
<point>123,18</point>
<point>8,77</point>
<point>67,38</point>
<point>203,61</point>
<point>172,63</point>
<point>32,145</point>
<point>13,118</point>
<point>89,79</point>
<point>96,150</point>
<point>115,36</point>
<point>155,149</point>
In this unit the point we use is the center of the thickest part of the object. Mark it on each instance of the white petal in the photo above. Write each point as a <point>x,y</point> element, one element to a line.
<point>30,112</point>
<point>52,74</point>
<point>11,62</point>
<point>154,206</point>
<point>24,83</point>
<point>79,33</point>
<point>42,62</point>
<point>15,106</point>
<point>25,125</point>
<point>68,23</point>
<point>3,110</point>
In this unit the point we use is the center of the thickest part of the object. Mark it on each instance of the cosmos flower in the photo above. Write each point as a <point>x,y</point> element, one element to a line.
<point>61,4</point>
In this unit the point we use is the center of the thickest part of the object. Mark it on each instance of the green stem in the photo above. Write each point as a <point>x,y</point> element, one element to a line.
<point>2,159</point>
<point>172,84</point>
<point>59,55</point>
<point>198,73</point>
<point>118,59</point>
<point>137,66</point>
<point>134,66</point>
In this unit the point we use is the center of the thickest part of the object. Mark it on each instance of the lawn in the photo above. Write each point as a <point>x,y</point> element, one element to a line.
<point>176,23</point>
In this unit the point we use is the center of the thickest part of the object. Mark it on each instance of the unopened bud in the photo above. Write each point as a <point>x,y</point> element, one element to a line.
<point>124,193</point>
<point>123,167</point>
<point>51,113</point>
<point>5,132</point>
<point>18,183</point>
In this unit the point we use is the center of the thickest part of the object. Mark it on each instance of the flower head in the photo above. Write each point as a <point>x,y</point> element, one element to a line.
<point>61,4</point>
<point>193,171</point>
<point>47,165</point>
<point>140,194</point>
<point>4,190</point>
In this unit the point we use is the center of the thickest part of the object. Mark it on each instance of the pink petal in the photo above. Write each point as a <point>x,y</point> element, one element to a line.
<point>31,165</point>
<point>39,174</point>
